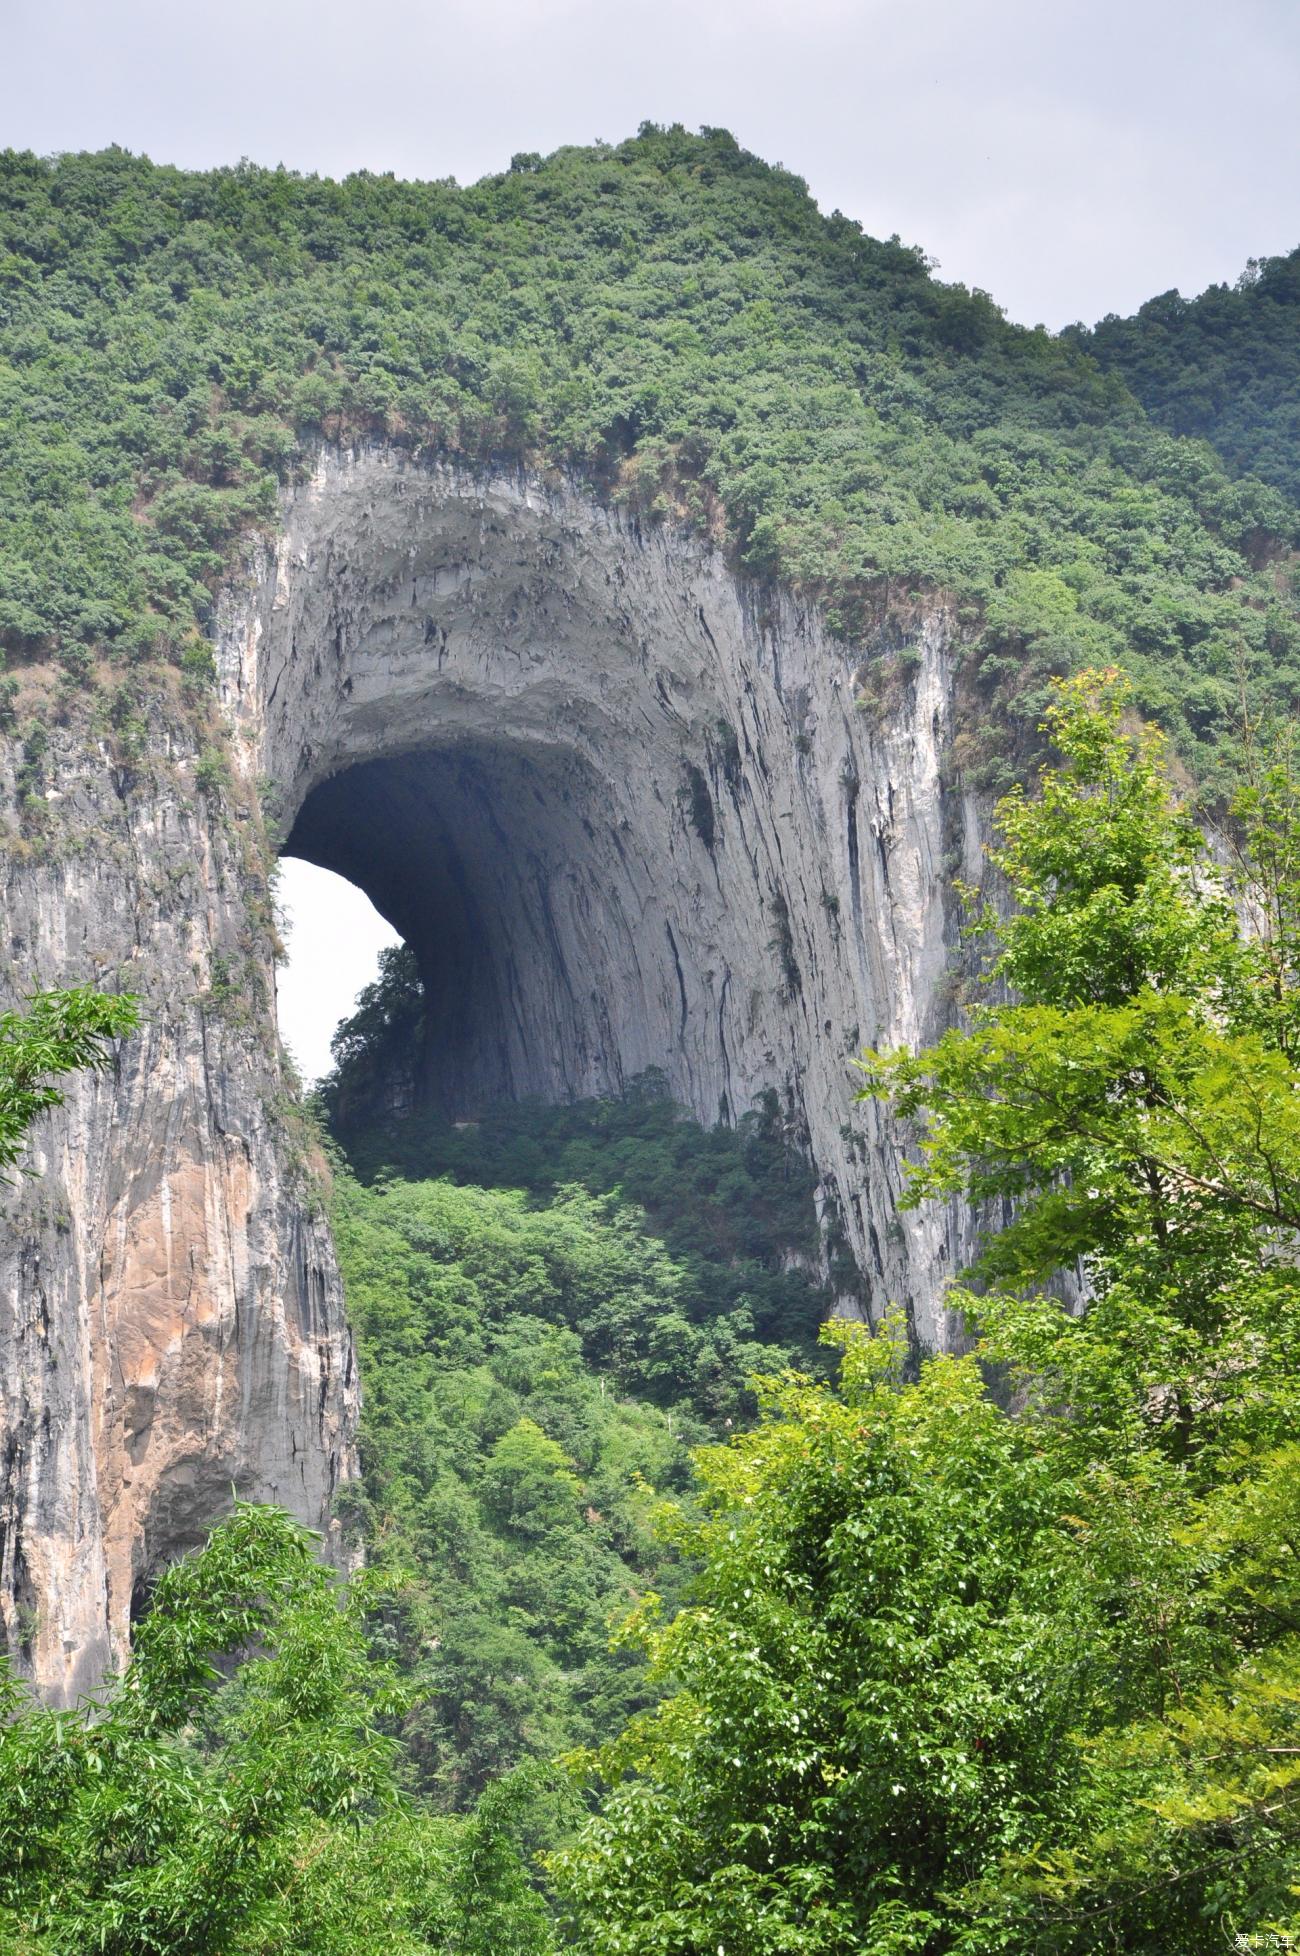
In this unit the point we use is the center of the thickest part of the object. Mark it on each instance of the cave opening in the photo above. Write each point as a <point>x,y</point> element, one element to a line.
<point>334,944</point>
<point>489,860</point>
<point>501,715</point>
<point>600,795</point>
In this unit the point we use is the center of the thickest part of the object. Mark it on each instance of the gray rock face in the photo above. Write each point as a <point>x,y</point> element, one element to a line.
<point>625,817</point>
<point>171,1321</point>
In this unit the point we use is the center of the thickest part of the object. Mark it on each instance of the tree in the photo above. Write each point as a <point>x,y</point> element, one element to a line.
<point>529,1483</point>
<point>1137,1099</point>
<point>959,1678</point>
<point>851,1736</point>
<point>60,1032</point>
<point>236,1792</point>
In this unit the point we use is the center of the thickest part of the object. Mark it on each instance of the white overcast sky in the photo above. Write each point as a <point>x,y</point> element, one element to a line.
<point>1073,157</point>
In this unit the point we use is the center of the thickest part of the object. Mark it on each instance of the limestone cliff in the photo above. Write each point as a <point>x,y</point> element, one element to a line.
<point>627,812</point>
<point>171,1321</point>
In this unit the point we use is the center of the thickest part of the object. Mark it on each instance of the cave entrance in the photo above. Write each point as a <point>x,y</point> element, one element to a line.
<point>498,865</point>
<point>618,807</point>
<point>497,712</point>
<point>333,938</point>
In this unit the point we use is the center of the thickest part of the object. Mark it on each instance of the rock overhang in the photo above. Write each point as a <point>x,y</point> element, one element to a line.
<point>623,805</point>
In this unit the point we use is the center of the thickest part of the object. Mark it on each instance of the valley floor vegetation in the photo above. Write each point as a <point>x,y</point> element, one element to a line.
<point>987,1653</point>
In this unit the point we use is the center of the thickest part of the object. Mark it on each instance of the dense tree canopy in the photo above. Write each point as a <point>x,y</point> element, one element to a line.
<point>733,1205</point>
<point>538,1359</point>
<point>994,1657</point>
<point>1225,366</point>
<point>237,1793</point>
<point>669,316</point>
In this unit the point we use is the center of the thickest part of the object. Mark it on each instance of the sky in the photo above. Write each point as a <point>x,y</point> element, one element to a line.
<point>1072,157</point>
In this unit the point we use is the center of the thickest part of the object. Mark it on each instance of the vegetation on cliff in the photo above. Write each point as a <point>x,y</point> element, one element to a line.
<point>1224,367</point>
<point>59,1033</point>
<point>670,317</point>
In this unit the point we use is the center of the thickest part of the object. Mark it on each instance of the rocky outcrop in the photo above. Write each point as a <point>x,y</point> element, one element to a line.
<point>628,814</point>
<point>171,1321</point>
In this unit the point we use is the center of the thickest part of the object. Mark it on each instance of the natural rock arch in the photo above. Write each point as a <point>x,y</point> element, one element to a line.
<point>625,816</point>
<point>626,811</point>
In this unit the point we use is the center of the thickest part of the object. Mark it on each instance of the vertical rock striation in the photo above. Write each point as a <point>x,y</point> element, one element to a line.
<point>626,811</point>
<point>171,1319</point>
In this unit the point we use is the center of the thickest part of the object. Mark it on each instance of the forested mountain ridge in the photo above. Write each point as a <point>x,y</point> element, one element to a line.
<point>670,316</point>
<point>1224,366</point>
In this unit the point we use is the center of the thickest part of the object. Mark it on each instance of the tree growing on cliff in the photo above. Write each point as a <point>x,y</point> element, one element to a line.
<point>958,1679</point>
<point>59,1033</point>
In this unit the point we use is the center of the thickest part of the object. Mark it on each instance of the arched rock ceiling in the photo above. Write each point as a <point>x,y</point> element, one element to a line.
<point>626,811</point>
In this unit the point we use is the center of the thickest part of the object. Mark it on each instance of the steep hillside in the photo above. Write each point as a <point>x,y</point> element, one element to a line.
<point>633,580</point>
<point>671,317</point>
<point>379,468</point>
<point>1224,367</point>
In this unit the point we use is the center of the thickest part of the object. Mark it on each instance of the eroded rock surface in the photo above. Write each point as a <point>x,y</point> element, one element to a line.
<point>171,1320</point>
<point>628,815</point>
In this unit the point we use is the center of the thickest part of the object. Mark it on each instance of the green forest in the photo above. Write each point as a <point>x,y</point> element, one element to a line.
<point>675,321</point>
<point>541,1358</point>
<point>1224,367</point>
<point>687,1613</point>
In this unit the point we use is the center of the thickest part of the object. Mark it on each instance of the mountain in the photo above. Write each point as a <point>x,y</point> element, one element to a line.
<point>634,580</point>
<point>674,320</point>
